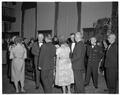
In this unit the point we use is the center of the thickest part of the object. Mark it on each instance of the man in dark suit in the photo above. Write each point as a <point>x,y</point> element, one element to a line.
<point>35,51</point>
<point>46,64</point>
<point>111,64</point>
<point>94,53</point>
<point>78,63</point>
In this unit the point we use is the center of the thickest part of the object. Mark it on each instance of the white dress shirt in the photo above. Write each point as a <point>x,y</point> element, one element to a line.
<point>93,46</point>
<point>40,44</point>
<point>109,47</point>
<point>72,46</point>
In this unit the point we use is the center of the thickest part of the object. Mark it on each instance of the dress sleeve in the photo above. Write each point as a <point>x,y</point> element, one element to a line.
<point>68,50</point>
<point>57,56</point>
<point>25,53</point>
<point>57,52</point>
<point>11,54</point>
<point>10,47</point>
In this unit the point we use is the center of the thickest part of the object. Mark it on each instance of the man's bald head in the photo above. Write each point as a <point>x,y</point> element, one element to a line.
<point>40,37</point>
<point>78,36</point>
<point>93,40</point>
<point>111,38</point>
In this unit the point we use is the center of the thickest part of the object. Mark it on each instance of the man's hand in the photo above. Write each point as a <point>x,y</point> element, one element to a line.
<point>39,68</point>
<point>101,69</point>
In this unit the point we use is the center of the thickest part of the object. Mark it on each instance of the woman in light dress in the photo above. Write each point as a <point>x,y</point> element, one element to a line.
<point>18,55</point>
<point>64,73</point>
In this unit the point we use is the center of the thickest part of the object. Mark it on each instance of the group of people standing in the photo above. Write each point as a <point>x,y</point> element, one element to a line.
<point>58,65</point>
<point>63,63</point>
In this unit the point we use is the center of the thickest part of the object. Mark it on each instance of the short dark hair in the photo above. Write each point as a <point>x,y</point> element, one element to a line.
<point>72,34</point>
<point>49,36</point>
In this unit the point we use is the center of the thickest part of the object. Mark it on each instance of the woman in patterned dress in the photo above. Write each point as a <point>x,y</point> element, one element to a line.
<point>18,55</point>
<point>64,73</point>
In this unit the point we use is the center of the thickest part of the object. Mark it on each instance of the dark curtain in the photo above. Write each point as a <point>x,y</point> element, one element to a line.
<point>79,16</point>
<point>56,17</point>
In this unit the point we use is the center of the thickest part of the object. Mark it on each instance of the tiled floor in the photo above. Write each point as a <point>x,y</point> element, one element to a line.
<point>8,88</point>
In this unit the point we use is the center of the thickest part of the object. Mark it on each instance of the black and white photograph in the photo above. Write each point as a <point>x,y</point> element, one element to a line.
<point>60,47</point>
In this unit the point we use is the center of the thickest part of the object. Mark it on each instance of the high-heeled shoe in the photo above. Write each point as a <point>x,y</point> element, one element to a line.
<point>23,90</point>
<point>69,92</point>
<point>17,91</point>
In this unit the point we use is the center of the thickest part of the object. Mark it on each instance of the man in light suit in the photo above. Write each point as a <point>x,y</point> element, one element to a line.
<point>78,62</point>
<point>35,51</point>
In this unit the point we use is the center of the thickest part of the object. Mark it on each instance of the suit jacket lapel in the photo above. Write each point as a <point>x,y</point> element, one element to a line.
<point>37,44</point>
<point>76,44</point>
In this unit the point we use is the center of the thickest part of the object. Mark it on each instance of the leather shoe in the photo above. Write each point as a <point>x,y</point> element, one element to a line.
<point>96,87</point>
<point>37,87</point>
<point>85,85</point>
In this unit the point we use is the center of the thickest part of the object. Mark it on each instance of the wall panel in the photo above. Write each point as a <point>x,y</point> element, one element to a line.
<point>45,16</point>
<point>92,11</point>
<point>67,19</point>
<point>29,23</point>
